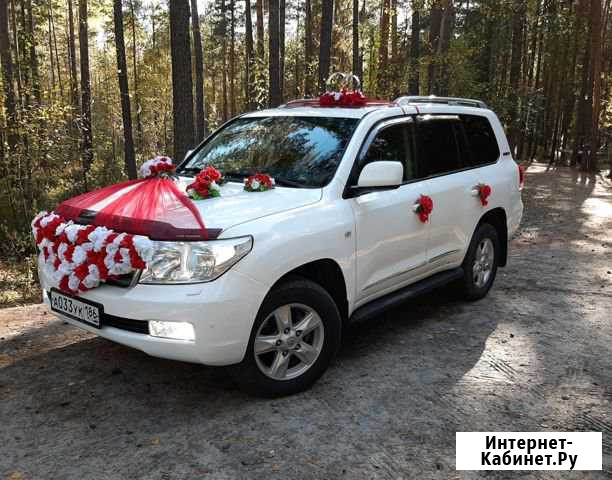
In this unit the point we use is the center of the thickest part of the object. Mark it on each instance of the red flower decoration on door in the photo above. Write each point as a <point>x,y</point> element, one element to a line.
<point>484,191</point>
<point>425,207</point>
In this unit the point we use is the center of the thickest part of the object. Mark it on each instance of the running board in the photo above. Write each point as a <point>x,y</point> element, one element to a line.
<point>391,300</point>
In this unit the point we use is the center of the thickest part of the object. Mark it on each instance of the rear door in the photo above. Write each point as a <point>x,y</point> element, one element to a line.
<point>443,155</point>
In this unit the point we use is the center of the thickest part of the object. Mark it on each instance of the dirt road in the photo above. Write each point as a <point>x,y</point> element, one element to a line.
<point>535,355</point>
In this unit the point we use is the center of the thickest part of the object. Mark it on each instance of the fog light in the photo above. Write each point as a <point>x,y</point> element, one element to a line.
<point>174,330</point>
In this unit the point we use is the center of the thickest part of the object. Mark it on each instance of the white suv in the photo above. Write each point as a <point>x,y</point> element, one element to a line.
<point>338,239</point>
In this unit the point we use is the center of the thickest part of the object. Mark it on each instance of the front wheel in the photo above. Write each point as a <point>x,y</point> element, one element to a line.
<point>480,264</point>
<point>294,339</point>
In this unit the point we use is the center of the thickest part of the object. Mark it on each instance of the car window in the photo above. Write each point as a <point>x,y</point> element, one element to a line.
<point>481,139</point>
<point>393,143</point>
<point>439,151</point>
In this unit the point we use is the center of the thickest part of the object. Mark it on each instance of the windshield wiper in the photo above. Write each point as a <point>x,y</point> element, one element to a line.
<point>187,171</point>
<point>237,175</point>
<point>284,182</point>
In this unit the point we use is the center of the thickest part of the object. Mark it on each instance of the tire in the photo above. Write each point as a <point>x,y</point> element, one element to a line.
<point>300,297</point>
<point>476,283</point>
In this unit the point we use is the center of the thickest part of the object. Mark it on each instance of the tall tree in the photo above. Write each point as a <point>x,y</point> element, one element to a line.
<point>182,85</point>
<point>7,79</point>
<point>200,122</point>
<point>139,129</point>
<point>126,111</point>
<point>327,19</point>
<point>518,20</point>
<point>308,49</point>
<point>356,62</point>
<point>383,48</point>
<point>595,81</point>
<point>415,49</point>
<point>260,31</point>
<point>86,133</point>
<point>74,89</point>
<point>282,7</point>
<point>250,56</point>
<point>274,53</point>
<point>232,59</point>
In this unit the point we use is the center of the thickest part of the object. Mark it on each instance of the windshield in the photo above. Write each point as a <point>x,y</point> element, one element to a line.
<point>296,151</point>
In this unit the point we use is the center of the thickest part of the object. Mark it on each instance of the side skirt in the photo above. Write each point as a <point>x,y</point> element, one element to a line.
<point>393,299</point>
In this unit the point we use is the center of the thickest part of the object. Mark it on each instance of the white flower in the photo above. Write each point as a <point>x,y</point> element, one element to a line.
<point>72,231</point>
<point>92,280</point>
<point>79,255</point>
<point>272,181</point>
<point>255,185</point>
<point>40,215</point>
<point>98,237</point>
<point>213,186</point>
<point>61,227</point>
<point>47,219</point>
<point>73,282</point>
<point>337,96</point>
<point>61,251</point>
<point>144,247</point>
<point>66,268</point>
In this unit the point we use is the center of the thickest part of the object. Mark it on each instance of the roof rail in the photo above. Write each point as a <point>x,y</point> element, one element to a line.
<point>468,102</point>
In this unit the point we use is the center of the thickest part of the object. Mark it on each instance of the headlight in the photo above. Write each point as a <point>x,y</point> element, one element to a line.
<point>193,262</point>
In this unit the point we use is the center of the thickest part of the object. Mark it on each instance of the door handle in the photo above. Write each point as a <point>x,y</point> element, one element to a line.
<point>415,207</point>
<point>475,191</point>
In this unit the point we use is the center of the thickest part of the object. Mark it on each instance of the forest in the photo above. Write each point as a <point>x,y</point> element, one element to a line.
<point>93,88</point>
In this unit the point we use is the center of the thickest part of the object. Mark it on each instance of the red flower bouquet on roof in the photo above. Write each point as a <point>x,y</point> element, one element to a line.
<point>343,98</point>
<point>156,166</point>
<point>206,184</point>
<point>260,182</point>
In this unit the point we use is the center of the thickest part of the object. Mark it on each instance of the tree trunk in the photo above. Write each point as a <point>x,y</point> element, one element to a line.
<point>250,56</point>
<point>274,53</point>
<point>7,79</point>
<point>595,82</point>
<point>281,40</point>
<point>200,123</point>
<point>415,50</point>
<point>383,49</point>
<point>260,31</point>
<point>126,112</point>
<point>327,18</point>
<point>33,60</point>
<point>308,49</point>
<point>74,89</point>
<point>182,85</point>
<point>232,60</point>
<point>86,133</point>
<point>518,20</point>
<point>139,130</point>
<point>356,62</point>
<point>435,23</point>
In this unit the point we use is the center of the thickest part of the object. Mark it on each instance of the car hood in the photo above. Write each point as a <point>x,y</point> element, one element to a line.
<point>236,206</point>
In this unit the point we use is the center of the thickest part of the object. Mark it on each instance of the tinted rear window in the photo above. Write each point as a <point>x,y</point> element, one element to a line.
<point>439,151</point>
<point>481,140</point>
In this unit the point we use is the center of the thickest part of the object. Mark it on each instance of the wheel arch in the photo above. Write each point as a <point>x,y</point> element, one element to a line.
<point>327,273</point>
<point>497,218</point>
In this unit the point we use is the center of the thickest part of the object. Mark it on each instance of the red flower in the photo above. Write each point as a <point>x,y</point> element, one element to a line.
<point>425,208</point>
<point>265,181</point>
<point>484,191</point>
<point>345,99</point>
<point>68,253</point>
<point>83,234</point>
<point>81,271</point>
<point>203,181</point>
<point>63,284</point>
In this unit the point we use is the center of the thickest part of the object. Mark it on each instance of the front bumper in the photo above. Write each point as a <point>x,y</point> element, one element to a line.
<point>222,313</point>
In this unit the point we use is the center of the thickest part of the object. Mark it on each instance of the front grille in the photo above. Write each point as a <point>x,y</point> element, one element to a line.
<point>136,326</point>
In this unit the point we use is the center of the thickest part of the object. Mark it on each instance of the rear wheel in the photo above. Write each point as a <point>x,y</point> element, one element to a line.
<point>480,264</point>
<point>294,339</point>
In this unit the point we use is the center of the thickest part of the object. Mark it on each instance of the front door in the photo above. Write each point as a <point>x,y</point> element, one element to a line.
<point>391,241</point>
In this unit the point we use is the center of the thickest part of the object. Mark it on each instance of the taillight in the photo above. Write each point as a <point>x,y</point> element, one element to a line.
<point>521,170</point>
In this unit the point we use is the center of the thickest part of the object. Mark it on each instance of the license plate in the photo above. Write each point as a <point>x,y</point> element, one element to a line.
<point>78,309</point>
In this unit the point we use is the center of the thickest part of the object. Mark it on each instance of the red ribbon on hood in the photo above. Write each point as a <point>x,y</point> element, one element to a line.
<point>154,207</point>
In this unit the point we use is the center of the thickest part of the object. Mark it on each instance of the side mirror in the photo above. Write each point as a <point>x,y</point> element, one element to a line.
<point>382,174</point>
<point>189,152</point>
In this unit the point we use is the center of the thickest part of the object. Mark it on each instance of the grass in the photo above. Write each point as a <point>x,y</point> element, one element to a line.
<point>19,282</point>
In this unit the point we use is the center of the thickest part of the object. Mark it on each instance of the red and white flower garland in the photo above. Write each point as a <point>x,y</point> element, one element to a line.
<point>76,258</point>
<point>260,182</point>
